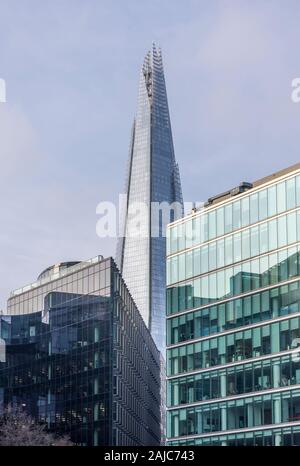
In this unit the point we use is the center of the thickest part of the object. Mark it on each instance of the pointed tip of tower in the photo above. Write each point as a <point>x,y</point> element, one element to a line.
<point>156,48</point>
<point>153,55</point>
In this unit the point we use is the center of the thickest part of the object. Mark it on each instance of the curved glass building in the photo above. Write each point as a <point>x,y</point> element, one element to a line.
<point>76,353</point>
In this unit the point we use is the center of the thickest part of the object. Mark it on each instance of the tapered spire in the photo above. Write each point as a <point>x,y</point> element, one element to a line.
<point>152,177</point>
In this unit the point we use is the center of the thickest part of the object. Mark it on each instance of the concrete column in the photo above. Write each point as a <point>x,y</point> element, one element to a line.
<point>277,418</point>
<point>275,339</point>
<point>276,375</point>
<point>223,382</point>
<point>176,365</point>
<point>176,394</point>
<point>275,307</point>
<point>250,415</point>
<point>277,411</point>
<point>223,418</point>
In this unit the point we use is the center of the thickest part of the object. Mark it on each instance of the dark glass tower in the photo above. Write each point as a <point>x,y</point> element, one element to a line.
<point>77,355</point>
<point>152,179</point>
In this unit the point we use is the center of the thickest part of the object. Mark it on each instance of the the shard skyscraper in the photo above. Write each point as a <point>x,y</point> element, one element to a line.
<point>152,178</point>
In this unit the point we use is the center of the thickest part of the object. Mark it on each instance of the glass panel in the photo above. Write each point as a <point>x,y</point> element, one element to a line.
<point>245,244</point>
<point>204,259</point>
<point>189,264</point>
<point>212,224</point>
<point>189,234</point>
<point>254,208</point>
<point>245,211</point>
<point>272,235</point>
<point>237,247</point>
<point>254,241</point>
<point>220,253</point>
<point>196,261</point>
<point>292,227</point>
<point>282,233</point>
<point>220,221</point>
<point>212,256</point>
<point>173,239</point>
<point>298,190</point>
<point>181,267</point>
<point>228,218</point>
<point>204,227</point>
<point>196,228</point>
<point>263,237</point>
<point>263,204</point>
<point>272,201</point>
<point>228,250</point>
<point>290,194</point>
<point>181,237</point>
<point>174,269</point>
<point>281,198</point>
<point>236,217</point>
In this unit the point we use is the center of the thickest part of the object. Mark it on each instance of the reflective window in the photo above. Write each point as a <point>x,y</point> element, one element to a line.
<point>228,218</point>
<point>290,193</point>
<point>220,220</point>
<point>236,215</point>
<point>250,275</point>
<point>232,314</point>
<point>238,414</point>
<point>254,208</point>
<point>281,197</point>
<point>263,204</point>
<point>248,210</point>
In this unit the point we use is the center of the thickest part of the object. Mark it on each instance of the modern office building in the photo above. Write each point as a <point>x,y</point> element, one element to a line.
<point>233,317</point>
<point>152,178</point>
<point>77,354</point>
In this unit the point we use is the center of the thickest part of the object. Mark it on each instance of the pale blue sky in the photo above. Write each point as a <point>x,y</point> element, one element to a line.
<point>71,69</point>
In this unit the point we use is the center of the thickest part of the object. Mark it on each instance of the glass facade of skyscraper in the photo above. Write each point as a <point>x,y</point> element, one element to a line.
<point>233,318</point>
<point>76,353</point>
<point>153,177</point>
